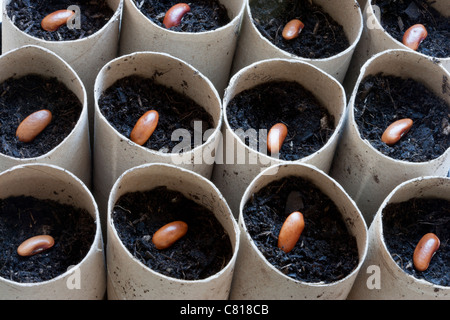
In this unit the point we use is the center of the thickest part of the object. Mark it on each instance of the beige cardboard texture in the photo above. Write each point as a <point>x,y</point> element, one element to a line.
<point>86,56</point>
<point>128,278</point>
<point>236,163</point>
<point>382,278</point>
<point>210,52</point>
<point>32,59</point>
<point>252,46</point>
<point>115,153</point>
<point>367,175</point>
<point>375,39</point>
<point>87,279</point>
<point>256,279</point>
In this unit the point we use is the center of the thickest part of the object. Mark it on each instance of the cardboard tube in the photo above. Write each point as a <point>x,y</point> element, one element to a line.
<point>128,278</point>
<point>210,52</point>
<point>87,279</point>
<point>115,153</point>
<point>38,60</point>
<point>252,46</point>
<point>86,56</point>
<point>365,173</point>
<point>236,163</point>
<point>375,39</point>
<point>256,278</point>
<point>381,278</point>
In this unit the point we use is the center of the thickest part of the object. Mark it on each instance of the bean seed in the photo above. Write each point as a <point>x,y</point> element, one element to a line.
<point>275,137</point>
<point>396,130</point>
<point>56,19</point>
<point>290,231</point>
<point>175,14</point>
<point>292,29</point>
<point>414,36</point>
<point>168,234</point>
<point>33,125</point>
<point>35,245</point>
<point>425,250</point>
<point>144,127</point>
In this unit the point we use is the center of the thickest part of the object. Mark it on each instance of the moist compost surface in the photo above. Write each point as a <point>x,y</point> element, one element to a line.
<point>405,223</point>
<point>398,16</point>
<point>309,123</point>
<point>129,98</point>
<point>24,217</point>
<point>205,15</point>
<point>202,252</point>
<point>19,97</point>
<point>322,36</point>
<point>383,99</point>
<point>27,16</point>
<point>325,252</point>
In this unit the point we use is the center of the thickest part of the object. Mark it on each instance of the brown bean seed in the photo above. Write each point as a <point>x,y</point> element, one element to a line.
<point>175,14</point>
<point>35,245</point>
<point>32,125</point>
<point>414,36</point>
<point>56,19</point>
<point>275,137</point>
<point>144,127</point>
<point>396,130</point>
<point>425,250</point>
<point>292,29</point>
<point>290,231</point>
<point>168,234</point>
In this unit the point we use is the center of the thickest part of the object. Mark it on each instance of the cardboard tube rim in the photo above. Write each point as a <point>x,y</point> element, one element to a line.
<point>339,126</point>
<point>98,91</point>
<point>98,34</point>
<point>351,115</point>
<point>350,48</point>
<point>230,24</point>
<point>371,13</point>
<point>110,225</point>
<point>362,252</point>
<point>33,49</point>
<point>390,264</point>
<point>95,215</point>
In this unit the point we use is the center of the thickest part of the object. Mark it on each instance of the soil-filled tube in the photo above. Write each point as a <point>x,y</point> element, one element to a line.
<point>128,277</point>
<point>236,162</point>
<point>253,46</point>
<point>29,60</point>
<point>86,55</point>
<point>87,279</point>
<point>367,174</point>
<point>256,278</point>
<point>115,153</point>
<point>211,52</point>
<point>375,39</point>
<point>383,278</point>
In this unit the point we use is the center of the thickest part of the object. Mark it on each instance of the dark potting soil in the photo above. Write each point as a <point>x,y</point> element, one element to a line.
<point>129,98</point>
<point>405,223</point>
<point>23,217</point>
<point>27,16</point>
<point>202,252</point>
<point>309,123</point>
<point>383,99</point>
<point>19,97</point>
<point>398,16</point>
<point>322,36</point>
<point>205,15</point>
<point>325,252</point>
